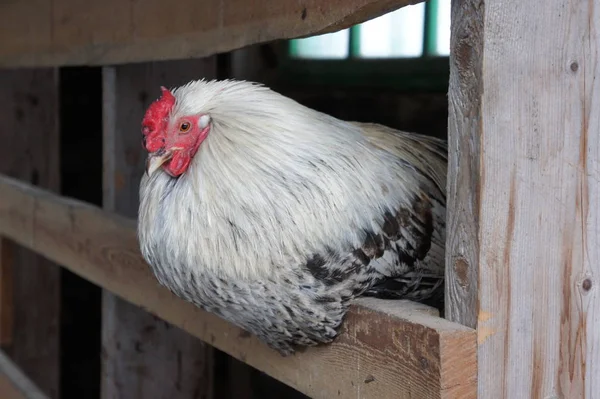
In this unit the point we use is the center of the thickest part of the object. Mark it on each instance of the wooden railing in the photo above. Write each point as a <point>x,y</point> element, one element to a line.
<point>388,349</point>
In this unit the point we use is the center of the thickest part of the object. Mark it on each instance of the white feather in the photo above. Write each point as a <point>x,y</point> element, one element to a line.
<point>204,121</point>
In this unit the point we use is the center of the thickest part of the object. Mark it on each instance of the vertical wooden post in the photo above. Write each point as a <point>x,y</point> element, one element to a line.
<point>6,292</point>
<point>29,150</point>
<point>143,357</point>
<point>524,194</point>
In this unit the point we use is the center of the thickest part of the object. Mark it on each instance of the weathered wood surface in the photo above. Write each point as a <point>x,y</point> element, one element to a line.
<point>29,150</point>
<point>67,32</point>
<point>388,349</point>
<point>524,194</point>
<point>464,131</point>
<point>144,357</point>
<point>14,384</point>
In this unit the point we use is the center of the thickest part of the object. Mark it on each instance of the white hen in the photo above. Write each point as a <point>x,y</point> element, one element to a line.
<point>275,216</point>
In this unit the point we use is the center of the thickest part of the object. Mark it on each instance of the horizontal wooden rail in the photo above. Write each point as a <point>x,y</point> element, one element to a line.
<point>67,32</point>
<point>387,349</point>
<point>14,384</point>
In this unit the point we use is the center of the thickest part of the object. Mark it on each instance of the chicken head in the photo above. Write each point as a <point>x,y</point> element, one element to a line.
<point>171,142</point>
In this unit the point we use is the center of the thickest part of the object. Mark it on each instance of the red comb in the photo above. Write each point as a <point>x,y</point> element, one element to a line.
<point>158,112</point>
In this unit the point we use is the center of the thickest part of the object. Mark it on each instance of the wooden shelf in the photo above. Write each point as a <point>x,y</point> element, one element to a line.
<point>387,349</point>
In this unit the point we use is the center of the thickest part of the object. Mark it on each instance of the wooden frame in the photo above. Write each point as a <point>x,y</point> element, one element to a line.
<point>380,340</point>
<point>523,195</point>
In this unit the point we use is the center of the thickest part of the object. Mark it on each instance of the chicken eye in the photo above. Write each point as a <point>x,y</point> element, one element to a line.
<point>185,127</point>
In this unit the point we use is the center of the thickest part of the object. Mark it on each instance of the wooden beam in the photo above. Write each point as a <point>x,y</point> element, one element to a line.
<point>387,349</point>
<point>14,384</point>
<point>178,365</point>
<point>67,32</point>
<point>524,194</point>
<point>29,128</point>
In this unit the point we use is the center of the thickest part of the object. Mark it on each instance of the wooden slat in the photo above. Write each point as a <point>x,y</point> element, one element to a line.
<point>67,32</point>
<point>388,349</point>
<point>464,125</point>
<point>524,194</point>
<point>6,292</point>
<point>29,150</point>
<point>174,363</point>
<point>14,384</point>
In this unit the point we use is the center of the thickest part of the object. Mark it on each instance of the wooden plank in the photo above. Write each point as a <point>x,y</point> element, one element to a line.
<point>144,357</point>
<point>14,384</point>
<point>525,192</point>
<point>464,131</point>
<point>387,349</point>
<point>30,151</point>
<point>6,292</point>
<point>68,32</point>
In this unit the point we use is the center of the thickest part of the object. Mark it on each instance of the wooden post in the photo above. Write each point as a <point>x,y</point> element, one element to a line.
<point>6,292</point>
<point>29,151</point>
<point>144,357</point>
<point>524,194</point>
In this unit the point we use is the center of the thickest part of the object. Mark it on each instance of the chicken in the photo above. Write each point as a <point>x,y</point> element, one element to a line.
<point>275,216</point>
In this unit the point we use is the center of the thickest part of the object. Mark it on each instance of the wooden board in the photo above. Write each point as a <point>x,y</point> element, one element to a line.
<point>387,349</point>
<point>29,151</point>
<point>68,32</point>
<point>144,357</point>
<point>524,194</point>
<point>14,384</point>
<point>464,131</point>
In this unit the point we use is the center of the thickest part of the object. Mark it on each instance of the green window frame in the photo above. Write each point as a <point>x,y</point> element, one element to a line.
<point>427,72</point>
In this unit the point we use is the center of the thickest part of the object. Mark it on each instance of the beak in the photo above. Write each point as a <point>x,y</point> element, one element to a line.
<point>156,159</point>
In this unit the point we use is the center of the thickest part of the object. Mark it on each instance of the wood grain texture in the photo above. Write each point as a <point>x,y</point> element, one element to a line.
<point>68,32</point>
<point>464,131</point>
<point>525,194</point>
<point>143,357</point>
<point>29,151</point>
<point>6,292</point>
<point>387,349</point>
<point>14,384</point>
